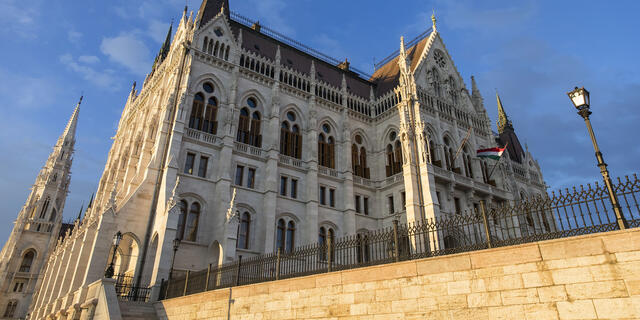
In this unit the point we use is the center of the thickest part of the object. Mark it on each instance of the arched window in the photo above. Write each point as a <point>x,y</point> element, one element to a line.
<point>45,207</point>
<point>324,235</point>
<point>27,261</point>
<point>466,158</point>
<point>363,251</point>
<point>181,219</point>
<point>449,153</point>
<point>191,227</point>
<point>291,233</point>
<point>290,136</point>
<point>326,147</point>
<point>249,124</point>
<point>52,217</point>
<point>243,231</point>
<point>204,44</point>
<point>210,124</point>
<point>394,155</point>
<point>359,158</point>
<point>280,234</point>
<point>453,91</point>
<point>11,309</point>
<point>204,117</point>
<point>195,120</point>
<point>485,171</point>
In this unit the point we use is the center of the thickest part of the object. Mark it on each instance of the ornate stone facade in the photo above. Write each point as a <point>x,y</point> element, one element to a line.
<point>302,148</point>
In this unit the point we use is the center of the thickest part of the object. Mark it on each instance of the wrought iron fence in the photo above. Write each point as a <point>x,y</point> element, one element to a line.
<point>560,214</point>
<point>126,291</point>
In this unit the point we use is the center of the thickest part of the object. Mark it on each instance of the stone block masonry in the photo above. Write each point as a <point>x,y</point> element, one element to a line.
<point>594,276</point>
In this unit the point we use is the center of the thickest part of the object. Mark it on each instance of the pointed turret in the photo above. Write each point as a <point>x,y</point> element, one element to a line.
<point>164,50</point>
<point>209,9</point>
<point>80,212</point>
<point>476,97</point>
<point>507,135</point>
<point>503,120</point>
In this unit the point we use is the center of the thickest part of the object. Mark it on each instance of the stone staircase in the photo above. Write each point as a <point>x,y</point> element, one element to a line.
<point>137,310</point>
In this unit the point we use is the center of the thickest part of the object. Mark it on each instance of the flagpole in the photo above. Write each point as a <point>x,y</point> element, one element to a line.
<point>494,166</point>
<point>466,138</point>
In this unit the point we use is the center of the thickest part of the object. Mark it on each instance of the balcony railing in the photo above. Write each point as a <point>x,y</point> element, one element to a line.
<point>327,171</point>
<point>248,149</point>
<point>290,161</point>
<point>201,136</point>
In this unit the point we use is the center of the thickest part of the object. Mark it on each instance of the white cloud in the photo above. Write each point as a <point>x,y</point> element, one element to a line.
<point>74,36</point>
<point>19,17</point>
<point>103,79</point>
<point>127,50</point>
<point>88,59</point>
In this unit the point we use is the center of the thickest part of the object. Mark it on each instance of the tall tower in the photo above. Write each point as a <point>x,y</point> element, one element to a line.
<point>37,228</point>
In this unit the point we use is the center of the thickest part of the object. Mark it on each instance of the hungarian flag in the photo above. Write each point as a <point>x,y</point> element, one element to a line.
<point>492,153</point>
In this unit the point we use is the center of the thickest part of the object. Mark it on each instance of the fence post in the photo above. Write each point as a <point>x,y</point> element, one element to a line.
<point>396,250</point>
<point>329,247</point>
<point>206,283</point>
<point>483,209</point>
<point>278,263</point>
<point>238,271</point>
<point>186,282</point>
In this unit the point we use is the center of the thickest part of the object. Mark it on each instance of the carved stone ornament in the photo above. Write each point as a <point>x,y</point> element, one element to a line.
<point>231,214</point>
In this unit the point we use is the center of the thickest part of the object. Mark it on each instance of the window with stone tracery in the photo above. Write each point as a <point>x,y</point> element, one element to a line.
<point>290,136</point>
<point>243,231</point>
<point>204,116</point>
<point>188,221</point>
<point>27,261</point>
<point>285,234</point>
<point>249,124</point>
<point>394,155</point>
<point>326,147</point>
<point>359,158</point>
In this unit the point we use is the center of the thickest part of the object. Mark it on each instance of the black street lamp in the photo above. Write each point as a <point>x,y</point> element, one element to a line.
<point>580,99</point>
<point>116,242</point>
<point>176,244</point>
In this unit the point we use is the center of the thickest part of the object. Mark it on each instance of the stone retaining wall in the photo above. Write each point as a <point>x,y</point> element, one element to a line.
<point>588,277</point>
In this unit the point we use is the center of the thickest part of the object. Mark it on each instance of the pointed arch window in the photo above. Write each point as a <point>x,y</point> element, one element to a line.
<point>291,233</point>
<point>181,219</point>
<point>326,147</point>
<point>45,207</point>
<point>394,155</point>
<point>449,153</point>
<point>204,110</point>
<point>249,124</point>
<point>191,226</point>
<point>363,250</point>
<point>290,136</point>
<point>359,158</point>
<point>52,217</point>
<point>243,231</point>
<point>280,234</point>
<point>11,309</point>
<point>27,261</point>
<point>466,159</point>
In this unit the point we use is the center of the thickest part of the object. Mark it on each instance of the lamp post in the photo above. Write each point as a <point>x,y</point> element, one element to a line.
<point>116,242</point>
<point>580,99</point>
<point>176,244</point>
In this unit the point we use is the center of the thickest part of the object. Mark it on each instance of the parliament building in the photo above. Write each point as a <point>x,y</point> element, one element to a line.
<point>241,141</point>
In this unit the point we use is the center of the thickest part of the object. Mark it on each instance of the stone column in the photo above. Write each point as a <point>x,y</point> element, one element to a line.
<point>271,139</point>
<point>309,224</point>
<point>349,217</point>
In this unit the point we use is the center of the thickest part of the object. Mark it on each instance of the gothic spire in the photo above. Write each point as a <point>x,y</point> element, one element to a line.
<point>476,97</point>
<point>503,120</point>
<point>80,212</point>
<point>69,132</point>
<point>164,50</point>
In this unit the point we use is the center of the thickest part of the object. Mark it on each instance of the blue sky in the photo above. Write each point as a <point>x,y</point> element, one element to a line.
<point>533,52</point>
